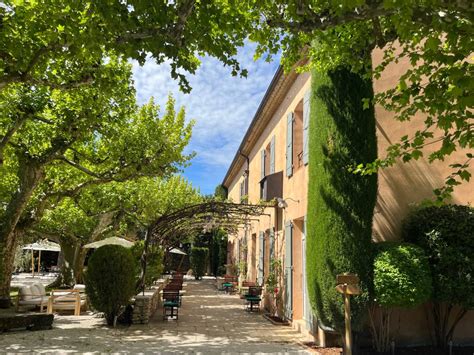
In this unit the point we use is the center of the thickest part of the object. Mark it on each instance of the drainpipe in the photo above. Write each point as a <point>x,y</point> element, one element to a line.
<point>248,162</point>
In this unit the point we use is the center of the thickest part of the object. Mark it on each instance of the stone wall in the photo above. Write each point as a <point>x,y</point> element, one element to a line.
<point>146,303</point>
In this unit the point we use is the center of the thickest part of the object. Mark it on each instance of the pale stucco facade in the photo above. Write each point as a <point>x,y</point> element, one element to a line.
<point>399,187</point>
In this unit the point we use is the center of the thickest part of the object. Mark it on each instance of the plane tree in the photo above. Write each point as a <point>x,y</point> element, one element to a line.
<point>76,138</point>
<point>112,209</point>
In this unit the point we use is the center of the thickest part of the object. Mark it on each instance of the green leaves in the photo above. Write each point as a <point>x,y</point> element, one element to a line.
<point>446,235</point>
<point>402,276</point>
<point>436,38</point>
<point>38,37</point>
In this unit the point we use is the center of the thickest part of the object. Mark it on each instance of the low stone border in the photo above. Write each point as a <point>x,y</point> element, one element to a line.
<point>284,323</point>
<point>147,303</point>
<point>29,321</point>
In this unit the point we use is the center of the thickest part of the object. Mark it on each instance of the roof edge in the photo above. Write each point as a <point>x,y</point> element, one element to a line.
<point>275,80</point>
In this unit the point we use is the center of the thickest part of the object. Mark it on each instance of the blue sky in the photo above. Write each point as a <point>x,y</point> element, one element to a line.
<point>221,105</point>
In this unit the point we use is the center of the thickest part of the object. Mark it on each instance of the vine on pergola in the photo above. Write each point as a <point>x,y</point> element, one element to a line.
<point>169,230</point>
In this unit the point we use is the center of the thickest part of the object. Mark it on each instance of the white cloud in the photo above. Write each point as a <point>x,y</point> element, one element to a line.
<point>222,105</point>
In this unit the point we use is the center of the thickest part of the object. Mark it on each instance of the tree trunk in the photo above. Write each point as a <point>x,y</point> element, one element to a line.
<point>30,174</point>
<point>79,264</point>
<point>66,275</point>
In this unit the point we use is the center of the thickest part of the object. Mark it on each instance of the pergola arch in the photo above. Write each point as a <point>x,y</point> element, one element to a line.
<point>169,229</point>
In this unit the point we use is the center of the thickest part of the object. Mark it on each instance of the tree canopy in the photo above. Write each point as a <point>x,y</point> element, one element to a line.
<point>58,142</point>
<point>435,36</point>
<point>58,43</point>
<point>38,37</point>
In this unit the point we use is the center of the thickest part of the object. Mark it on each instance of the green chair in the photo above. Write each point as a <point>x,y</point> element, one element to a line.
<point>170,304</point>
<point>253,298</point>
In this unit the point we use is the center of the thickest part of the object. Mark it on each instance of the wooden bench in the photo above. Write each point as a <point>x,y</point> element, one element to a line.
<point>66,300</point>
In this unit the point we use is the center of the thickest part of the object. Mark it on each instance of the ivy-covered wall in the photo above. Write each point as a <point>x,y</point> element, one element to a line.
<point>340,203</point>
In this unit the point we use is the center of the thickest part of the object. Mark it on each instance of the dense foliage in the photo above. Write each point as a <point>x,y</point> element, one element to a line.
<point>39,36</point>
<point>154,263</point>
<point>446,233</point>
<point>340,204</point>
<point>402,276</point>
<point>110,280</point>
<point>435,37</point>
<point>198,259</point>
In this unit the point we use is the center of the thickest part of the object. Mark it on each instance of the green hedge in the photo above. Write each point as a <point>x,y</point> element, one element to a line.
<point>446,233</point>
<point>110,280</point>
<point>340,203</point>
<point>198,261</point>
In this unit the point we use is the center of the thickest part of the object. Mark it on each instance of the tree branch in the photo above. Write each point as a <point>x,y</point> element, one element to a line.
<point>79,167</point>
<point>6,138</point>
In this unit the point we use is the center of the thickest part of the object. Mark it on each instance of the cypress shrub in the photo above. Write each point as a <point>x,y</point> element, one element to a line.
<point>340,203</point>
<point>110,280</point>
<point>198,260</point>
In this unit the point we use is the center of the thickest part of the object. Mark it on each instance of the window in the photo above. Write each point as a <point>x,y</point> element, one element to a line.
<point>298,136</point>
<point>267,157</point>
<point>244,189</point>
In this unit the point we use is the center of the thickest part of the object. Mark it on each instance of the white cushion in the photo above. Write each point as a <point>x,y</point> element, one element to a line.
<point>41,289</point>
<point>67,305</point>
<point>34,301</point>
<point>35,291</point>
<point>80,287</point>
<point>25,293</point>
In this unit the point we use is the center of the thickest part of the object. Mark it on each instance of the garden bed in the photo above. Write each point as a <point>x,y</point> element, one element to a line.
<point>29,321</point>
<point>276,320</point>
<point>423,350</point>
<point>418,350</point>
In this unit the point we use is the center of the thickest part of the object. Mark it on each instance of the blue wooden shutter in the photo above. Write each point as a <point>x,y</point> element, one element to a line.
<point>272,244</point>
<point>307,314</point>
<point>272,155</point>
<point>288,270</point>
<point>306,111</point>
<point>261,258</point>
<point>262,164</point>
<point>289,145</point>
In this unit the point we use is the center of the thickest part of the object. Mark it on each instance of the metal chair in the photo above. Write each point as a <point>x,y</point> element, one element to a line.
<point>253,298</point>
<point>170,304</point>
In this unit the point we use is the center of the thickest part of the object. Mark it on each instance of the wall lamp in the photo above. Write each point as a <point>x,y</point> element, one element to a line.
<point>282,202</point>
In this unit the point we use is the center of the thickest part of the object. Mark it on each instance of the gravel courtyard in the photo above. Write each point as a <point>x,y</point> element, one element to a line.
<point>209,322</point>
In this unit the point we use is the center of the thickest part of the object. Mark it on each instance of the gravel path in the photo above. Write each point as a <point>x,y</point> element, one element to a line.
<point>209,323</point>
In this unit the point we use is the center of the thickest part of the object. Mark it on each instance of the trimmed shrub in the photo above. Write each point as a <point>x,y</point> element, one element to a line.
<point>446,233</point>
<point>402,278</point>
<point>110,280</point>
<point>340,203</point>
<point>198,260</point>
<point>154,263</point>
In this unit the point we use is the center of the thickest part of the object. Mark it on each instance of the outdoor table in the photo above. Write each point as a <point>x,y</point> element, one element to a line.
<point>244,289</point>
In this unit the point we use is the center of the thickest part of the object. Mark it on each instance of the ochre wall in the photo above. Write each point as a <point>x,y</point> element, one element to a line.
<point>294,187</point>
<point>400,186</point>
<point>406,184</point>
